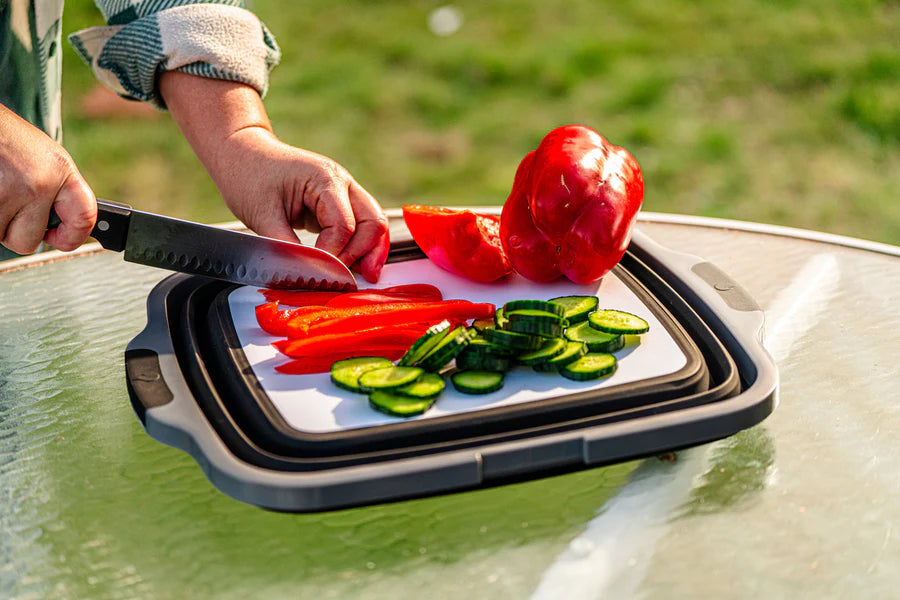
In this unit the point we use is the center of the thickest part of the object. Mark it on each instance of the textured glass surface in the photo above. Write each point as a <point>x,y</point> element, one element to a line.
<point>802,505</point>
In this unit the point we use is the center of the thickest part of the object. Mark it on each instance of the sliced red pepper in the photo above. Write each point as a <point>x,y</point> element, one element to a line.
<point>351,299</point>
<point>416,289</point>
<point>361,342</point>
<point>353,319</point>
<point>460,241</point>
<point>275,321</point>
<point>299,297</point>
<point>322,363</point>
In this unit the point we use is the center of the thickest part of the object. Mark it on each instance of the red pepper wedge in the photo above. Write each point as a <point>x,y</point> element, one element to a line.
<point>353,319</point>
<point>459,241</point>
<point>361,341</point>
<point>365,298</point>
<point>572,208</point>
<point>322,363</point>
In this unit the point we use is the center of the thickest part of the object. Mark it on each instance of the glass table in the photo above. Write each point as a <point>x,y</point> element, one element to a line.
<point>802,505</point>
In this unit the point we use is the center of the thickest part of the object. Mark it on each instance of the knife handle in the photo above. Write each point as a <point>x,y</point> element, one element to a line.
<point>111,229</point>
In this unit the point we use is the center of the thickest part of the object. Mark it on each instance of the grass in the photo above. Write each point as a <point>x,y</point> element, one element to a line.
<point>780,112</point>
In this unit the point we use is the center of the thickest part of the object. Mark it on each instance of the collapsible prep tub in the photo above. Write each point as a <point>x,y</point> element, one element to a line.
<point>201,378</point>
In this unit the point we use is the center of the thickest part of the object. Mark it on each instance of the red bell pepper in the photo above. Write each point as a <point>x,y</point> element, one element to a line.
<point>299,297</point>
<point>412,293</point>
<point>572,207</point>
<point>323,362</point>
<point>362,342</point>
<point>459,241</point>
<point>275,321</point>
<point>452,310</point>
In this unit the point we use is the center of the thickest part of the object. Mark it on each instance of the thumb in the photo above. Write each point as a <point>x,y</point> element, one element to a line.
<point>76,207</point>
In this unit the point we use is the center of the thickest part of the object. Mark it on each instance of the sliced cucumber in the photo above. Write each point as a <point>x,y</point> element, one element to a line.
<point>596,340</point>
<point>512,339</point>
<point>544,329</point>
<point>500,318</point>
<point>399,405</point>
<point>617,321</point>
<point>388,378</point>
<point>543,305</point>
<point>345,373</point>
<point>429,385</point>
<point>592,365</point>
<point>577,308</point>
<point>572,352</point>
<point>551,348</point>
<point>477,382</point>
<point>481,345</point>
<point>431,338</point>
<point>486,361</point>
<point>448,349</point>
<point>482,324</point>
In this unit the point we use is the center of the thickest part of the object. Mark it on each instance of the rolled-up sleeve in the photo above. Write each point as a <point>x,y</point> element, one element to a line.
<point>144,38</point>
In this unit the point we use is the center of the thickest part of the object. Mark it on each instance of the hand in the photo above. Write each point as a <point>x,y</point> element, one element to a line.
<point>35,174</point>
<point>269,185</point>
<point>273,188</point>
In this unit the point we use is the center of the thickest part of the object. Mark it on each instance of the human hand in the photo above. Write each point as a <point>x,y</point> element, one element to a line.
<point>274,188</point>
<point>35,174</point>
<point>271,186</point>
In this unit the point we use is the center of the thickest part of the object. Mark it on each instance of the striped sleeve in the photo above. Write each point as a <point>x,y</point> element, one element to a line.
<point>143,38</point>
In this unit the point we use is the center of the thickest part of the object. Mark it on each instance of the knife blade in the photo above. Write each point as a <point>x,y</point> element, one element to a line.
<point>186,247</point>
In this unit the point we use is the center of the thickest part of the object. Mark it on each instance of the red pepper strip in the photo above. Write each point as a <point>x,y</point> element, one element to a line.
<point>359,341</point>
<point>460,310</point>
<point>322,363</point>
<point>416,289</point>
<point>299,297</point>
<point>275,321</point>
<point>351,299</point>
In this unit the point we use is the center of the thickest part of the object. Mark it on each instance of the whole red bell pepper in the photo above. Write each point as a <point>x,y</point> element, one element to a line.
<point>572,207</point>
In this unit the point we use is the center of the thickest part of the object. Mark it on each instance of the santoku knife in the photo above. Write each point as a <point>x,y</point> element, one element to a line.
<point>186,247</point>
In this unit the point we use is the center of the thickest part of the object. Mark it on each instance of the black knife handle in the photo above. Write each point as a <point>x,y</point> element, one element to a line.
<point>111,229</point>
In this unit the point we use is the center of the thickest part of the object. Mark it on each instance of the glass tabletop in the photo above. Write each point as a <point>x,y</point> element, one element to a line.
<point>802,505</point>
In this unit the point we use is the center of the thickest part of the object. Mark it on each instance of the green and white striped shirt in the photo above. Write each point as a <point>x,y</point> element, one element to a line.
<point>142,38</point>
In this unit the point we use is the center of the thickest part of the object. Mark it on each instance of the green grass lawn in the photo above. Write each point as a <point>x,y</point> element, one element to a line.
<point>771,111</point>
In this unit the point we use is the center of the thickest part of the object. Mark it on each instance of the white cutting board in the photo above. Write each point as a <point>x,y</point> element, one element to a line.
<point>312,404</point>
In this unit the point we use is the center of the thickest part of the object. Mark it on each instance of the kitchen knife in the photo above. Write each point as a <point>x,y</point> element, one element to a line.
<point>186,247</point>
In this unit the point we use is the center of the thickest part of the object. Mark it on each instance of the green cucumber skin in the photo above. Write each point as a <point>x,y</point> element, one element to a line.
<point>420,348</point>
<point>449,348</point>
<point>477,381</point>
<point>553,347</point>
<point>577,307</point>
<point>596,340</point>
<point>542,305</point>
<point>618,321</point>
<point>382,401</point>
<point>586,367</point>
<point>345,373</point>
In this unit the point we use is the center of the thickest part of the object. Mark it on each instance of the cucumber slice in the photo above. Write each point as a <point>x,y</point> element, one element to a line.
<point>551,348</point>
<point>482,324</point>
<point>429,385</point>
<point>617,321</point>
<point>399,405</point>
<point>512,339</point>
<point>543,305</point>
<point>596,340</point>
<point>345,373</point>
<point>577,308</point>
<point>572,352</point>
<point>431,338</point>
<point>500,318</point>
<point>544,329</point>
<point>480,345</point>
<point>483,361</point>
<point>388,378</point>
<point>448,349</point>
<point>592,365</point>
<point>477,382</point>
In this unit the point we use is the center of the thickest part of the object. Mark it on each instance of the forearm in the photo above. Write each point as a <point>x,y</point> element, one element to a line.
<point>211,112</point>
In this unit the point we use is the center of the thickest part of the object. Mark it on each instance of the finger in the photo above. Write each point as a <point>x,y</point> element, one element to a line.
<point>371,240</point>
<point>335,216</point>
<point>25,230</point>
<point>76,206</point>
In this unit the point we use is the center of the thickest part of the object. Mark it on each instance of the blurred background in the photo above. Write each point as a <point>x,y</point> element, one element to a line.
<point>784,112</point>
